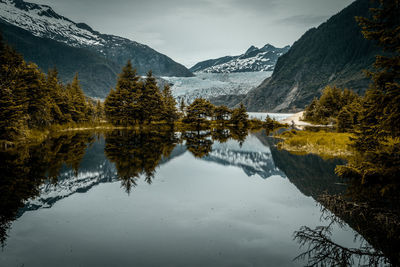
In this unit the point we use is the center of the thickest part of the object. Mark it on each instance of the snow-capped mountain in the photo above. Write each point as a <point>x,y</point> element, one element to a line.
<point>254,59</point>
<point>41,20</point>
<point>46,38</point>
<point>252,156</point>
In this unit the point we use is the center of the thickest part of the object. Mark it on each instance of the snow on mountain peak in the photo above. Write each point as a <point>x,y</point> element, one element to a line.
<point>254,59</point>
<point>42,21</point>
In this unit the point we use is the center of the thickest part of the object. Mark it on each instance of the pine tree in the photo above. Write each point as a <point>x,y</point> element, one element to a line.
<point>170,113</point>
<point>111,108</point>
<point>12,98</point>
<point>151,99</point>
<point>345,120</point>
<point>58,109</point>
<point>198,112</point>
<point>78,99</point>
<point>222,113</point>
<point>33,81</point>
<point>129,90</point>
<point>240,116</point>
<point>99,111</point>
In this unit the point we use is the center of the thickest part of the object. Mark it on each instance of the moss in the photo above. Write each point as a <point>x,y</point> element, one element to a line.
<point>325,144</point>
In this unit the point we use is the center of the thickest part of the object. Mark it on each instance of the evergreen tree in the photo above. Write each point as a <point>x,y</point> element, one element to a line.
<point>12,98</point>
<point>79,114</point>
<point>129,90</point>
<point>99,111</point>
<point>59,106</point>
<point>198,111</point>
<point>222,113</point>
<point>345,120</point>
<point>151,99</point>
<point>169,113</point>
<point>123,105</point>
<point>111,108</point>
<point>240,116</point>
<point>33,81</point>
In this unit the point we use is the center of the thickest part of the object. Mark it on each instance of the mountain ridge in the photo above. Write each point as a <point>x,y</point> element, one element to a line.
<point>254,59</point>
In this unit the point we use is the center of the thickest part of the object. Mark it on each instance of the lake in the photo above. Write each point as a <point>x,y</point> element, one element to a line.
<point>129,198</point>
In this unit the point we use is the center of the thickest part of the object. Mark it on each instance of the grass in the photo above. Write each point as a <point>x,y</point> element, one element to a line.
<point>325,144</point>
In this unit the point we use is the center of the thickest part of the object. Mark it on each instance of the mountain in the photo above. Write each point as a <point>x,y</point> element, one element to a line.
<point>255,59</point>
<point>253,157</point>
<point>49,40</point>
<point>335,53</point>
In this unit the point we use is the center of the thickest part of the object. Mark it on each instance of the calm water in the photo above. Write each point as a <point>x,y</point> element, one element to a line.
<point>150,199</point>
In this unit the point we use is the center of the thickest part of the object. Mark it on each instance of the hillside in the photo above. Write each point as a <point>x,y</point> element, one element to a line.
<point>335,53</point>
<point>97,74</point>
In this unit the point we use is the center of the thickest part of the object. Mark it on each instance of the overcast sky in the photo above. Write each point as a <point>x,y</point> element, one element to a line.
<point>189,31</point>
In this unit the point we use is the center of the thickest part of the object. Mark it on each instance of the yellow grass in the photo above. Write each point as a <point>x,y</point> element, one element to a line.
<point>325,144</point>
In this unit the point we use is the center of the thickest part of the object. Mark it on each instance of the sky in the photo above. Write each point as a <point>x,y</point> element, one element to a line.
<point>190,31</point>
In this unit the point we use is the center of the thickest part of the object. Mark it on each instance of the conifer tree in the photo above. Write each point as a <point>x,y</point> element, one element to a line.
<point>222,113</point>
<point>33,81</point>
<point>58,109</point>
<point>12,99</point>
<point>151,99</point>
<point>240,116</point>
<point>170,113</point>
<point>79,114</point>
<point>111,108</point>
<point>198,111</point>
<point>128,90</point>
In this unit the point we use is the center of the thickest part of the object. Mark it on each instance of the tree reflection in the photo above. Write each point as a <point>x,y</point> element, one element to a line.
<point>24,168</point>
<point>239,134</point>
<point>323,251</point>
<point>199,143</point>
<point>137,153</point>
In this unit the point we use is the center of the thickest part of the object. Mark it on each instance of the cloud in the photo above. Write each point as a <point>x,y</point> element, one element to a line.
<point>304,20</point>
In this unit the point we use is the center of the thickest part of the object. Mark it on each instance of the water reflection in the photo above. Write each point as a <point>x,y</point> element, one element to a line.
<point>322,250</point>
<point>38,176</point>
<point>138,153</point>
<point>25,168</point>
<point>377,231</point>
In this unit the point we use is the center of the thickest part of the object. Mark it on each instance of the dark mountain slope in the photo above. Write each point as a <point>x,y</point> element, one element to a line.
<point>335,53</point>
<point>97,74</point>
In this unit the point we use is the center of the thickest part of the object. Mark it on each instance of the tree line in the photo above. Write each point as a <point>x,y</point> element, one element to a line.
<point>30,99</point>
<point>137,101</point>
